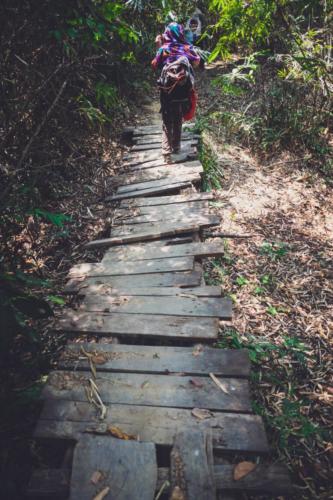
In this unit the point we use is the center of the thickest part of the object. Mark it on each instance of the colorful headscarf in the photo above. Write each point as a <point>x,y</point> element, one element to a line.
<point>174,46</point>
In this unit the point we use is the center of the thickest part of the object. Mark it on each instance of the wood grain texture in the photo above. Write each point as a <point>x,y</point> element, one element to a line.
<point>192,175</point>
<point>121,268</point>
<point>151,390</point>
<point>133,325</point>
<point>191,470</point>
<point>151,146</point>
<point>128,469</point>
<point>231,431</point>
<point>155,173</point>
<point>161,189</point>
<point>269,479</point>
<point>170,306</point>
<point>167,291</point>
<point>152,232</point>
<point>160,216</point>
<point>166,200</point>
<point>185,279</point>
<point>198,360</point>
<point>140,252</point>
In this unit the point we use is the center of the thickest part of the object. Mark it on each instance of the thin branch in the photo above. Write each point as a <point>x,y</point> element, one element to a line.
<point>40,126</point>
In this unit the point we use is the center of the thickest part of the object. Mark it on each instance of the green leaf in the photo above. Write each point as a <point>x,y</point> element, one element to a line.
<point>56,300</point>
<point>272,311</point>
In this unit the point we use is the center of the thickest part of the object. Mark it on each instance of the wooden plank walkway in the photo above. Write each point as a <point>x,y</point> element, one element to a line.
<point>151,411</point>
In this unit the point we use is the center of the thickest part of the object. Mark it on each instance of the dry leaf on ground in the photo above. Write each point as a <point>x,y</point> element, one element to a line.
<point>96,477</point>
<point>118,433</point>
<point>196,382</point>
<point>201,413</point>
<point>243,469</point>
<point>102,494</point>
<point>219,383</point>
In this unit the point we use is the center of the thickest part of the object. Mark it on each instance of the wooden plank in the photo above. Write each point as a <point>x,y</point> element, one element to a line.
<point>134,168</point>
<point>152,390</point>
<point>200,291</point>
<point>167,209</point>
<point>166,200</point>
<point>191,469</point>
<point>191,176</point>
<point>155,173</point>
<point>138,253</point>
<point>162,216</point>
<point>155,231</point>
<point>231,431</point>
<point>140,158</point>
<point>265,479</point>
<point>155,138</point>
<point>216,307</point>
<point>166,188</point>
<point>154,145</point>
<point>198,360</point>
<point>185,279</point>
<point>271,479</point>
<point>122,268</point>
<point>127,468</point>
<point>133,325</point>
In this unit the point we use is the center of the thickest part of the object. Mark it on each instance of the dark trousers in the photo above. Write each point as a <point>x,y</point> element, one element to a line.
<point>172,116</point>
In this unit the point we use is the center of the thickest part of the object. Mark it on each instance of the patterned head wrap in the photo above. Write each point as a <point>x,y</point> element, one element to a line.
<point>174,46</point>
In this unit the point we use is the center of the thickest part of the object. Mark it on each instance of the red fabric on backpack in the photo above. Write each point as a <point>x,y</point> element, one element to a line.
<point>191,112</point>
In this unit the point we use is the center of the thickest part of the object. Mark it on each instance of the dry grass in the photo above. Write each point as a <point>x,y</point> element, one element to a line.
<point>280,280</point>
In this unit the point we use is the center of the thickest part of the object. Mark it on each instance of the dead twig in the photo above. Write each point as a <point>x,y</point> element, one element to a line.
<point>40,126</point>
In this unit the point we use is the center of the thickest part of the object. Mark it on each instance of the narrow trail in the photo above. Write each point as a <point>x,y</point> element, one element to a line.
<point>144,410</point>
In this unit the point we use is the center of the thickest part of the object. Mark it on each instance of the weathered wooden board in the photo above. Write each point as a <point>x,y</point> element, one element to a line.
<point>155,173</point>
<point>153,145</point>
<point>185,279</point>
<point>160,216</point>
<point>191,467</point>
<point>198,360</point>
<point>128,469</point>
<point>166,200</point>
<point>162,189</point>
<point>154,154</point>
<point>172,209</point>
<point>200,291</point>
<point>168,180</point>
<point>154,138</point>
<point>153,232</point>
<point>133,325</point>
<point>231,432</point>
<point>217,307</point>
<point>122,268</point>
<point>269,479</point>
<point>172,391</point>
<point>137,158</point>
<point>139,253</point>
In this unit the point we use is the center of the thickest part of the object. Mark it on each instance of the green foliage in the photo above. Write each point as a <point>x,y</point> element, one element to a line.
<point>274,250</point>
<point>289,75</point>
<point>55,219</point>
<point>212,171</point>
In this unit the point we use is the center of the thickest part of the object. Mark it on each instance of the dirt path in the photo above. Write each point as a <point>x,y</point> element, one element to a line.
<point>280,279</point>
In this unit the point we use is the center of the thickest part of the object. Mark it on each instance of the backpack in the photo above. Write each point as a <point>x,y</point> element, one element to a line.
<point>176,84</point>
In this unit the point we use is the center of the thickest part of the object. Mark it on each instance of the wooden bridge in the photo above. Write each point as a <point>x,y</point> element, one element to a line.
<point>160,413</point>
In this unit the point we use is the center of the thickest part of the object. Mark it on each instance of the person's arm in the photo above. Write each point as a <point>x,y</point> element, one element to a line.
<point>158,59</point>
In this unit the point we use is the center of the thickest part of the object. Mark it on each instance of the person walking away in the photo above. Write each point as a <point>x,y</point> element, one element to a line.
<point>192,32</point>
<point>176,58</point>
